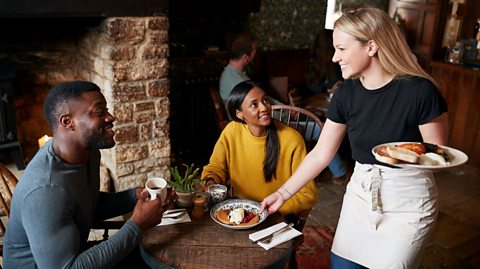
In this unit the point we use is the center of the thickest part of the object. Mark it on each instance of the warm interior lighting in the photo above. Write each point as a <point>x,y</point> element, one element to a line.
<point>42,140</point>
<point>334,9</point>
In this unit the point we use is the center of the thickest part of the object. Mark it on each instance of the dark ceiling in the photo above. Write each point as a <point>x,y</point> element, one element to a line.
<point>81,8</point>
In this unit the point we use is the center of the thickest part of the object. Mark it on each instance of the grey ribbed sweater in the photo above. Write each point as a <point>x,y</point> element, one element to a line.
<point>53,207</point>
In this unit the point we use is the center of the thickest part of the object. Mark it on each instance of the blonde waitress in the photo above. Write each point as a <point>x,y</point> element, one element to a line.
<point>388,213</point>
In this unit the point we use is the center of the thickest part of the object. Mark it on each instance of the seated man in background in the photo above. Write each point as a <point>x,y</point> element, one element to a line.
<point>58,198</point>
<point>242,52</point>
<point>256,154</point>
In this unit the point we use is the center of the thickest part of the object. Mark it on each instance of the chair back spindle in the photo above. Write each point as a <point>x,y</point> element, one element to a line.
<point>302,120</point>
<point>8,182</point>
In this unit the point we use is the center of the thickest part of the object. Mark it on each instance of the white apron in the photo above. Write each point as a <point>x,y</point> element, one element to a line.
<point>387,216</point>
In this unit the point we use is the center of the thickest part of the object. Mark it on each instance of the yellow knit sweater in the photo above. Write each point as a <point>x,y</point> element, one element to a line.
<point>238,156</point>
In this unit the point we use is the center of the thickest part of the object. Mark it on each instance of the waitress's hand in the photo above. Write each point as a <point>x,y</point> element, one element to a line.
<point>272,202</point>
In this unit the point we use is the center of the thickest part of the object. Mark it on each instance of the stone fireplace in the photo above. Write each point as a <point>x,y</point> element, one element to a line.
<point>126,56</point>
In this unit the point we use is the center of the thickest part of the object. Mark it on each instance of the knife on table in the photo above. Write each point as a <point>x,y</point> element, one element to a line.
<point>173,211</point>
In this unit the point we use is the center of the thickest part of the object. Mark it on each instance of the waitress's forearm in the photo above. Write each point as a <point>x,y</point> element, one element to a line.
<point>310,167</point>
<point>329,141</point>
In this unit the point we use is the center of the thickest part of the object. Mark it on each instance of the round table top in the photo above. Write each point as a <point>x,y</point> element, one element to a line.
<point>203,243</point>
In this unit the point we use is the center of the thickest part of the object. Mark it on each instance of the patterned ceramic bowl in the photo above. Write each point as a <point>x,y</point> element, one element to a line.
<point>217,193</point>
<point>246,204</point>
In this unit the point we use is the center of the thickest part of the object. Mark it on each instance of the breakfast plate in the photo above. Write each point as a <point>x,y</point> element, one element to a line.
<point>231,204</point>
<point>456,157</point>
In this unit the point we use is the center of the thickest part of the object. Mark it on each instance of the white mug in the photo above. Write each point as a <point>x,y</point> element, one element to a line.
<point>157,187</point>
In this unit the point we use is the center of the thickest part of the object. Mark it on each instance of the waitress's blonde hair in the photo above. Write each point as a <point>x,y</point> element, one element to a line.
<point>394,54</point>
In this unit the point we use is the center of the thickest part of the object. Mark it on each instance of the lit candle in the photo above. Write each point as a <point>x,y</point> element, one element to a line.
<point>42,140</point>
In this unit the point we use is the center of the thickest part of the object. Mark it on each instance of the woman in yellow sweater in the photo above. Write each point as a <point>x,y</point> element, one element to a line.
<point>257,154</point>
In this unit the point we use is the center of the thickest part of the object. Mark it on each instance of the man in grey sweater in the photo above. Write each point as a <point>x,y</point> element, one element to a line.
<point>58,198</point>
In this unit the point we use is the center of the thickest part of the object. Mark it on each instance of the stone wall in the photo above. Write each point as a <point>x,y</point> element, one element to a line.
<point>127,58</point>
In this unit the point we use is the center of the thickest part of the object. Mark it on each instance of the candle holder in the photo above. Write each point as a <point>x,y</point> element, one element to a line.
<point>42,140</point>
<point>200,204</point>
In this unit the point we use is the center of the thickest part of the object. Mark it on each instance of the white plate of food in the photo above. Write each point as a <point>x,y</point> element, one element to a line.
<point>238,214</point>
<point>419,155</point>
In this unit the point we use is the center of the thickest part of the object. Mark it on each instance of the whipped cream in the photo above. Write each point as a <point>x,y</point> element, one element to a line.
<point>236,215</point>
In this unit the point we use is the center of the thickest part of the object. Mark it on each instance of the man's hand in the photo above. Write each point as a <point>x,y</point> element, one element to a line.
<point>139,192</point>
<point>147,214</point>
<point>272,202</point>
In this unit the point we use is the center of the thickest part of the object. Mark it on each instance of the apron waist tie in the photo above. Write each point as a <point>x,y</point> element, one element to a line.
<point>376,211</point>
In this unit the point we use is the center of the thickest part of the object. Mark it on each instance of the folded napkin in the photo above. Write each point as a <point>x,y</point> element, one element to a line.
<point>278,239</point>
<point>167,221</point>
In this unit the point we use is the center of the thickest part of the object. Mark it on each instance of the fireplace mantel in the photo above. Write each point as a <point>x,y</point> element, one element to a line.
<point>81,8</point>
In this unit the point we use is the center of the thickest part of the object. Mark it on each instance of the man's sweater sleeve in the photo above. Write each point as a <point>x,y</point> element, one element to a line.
<point>55,240</point>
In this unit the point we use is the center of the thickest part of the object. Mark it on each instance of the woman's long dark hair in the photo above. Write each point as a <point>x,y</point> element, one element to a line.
<point>272,147</point>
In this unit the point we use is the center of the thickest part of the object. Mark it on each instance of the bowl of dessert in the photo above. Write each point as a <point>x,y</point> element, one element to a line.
<point>238,214</point>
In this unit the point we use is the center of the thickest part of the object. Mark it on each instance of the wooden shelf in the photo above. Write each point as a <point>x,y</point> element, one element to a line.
<point>460,86</point>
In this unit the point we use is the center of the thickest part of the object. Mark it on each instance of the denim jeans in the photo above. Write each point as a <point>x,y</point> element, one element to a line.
<point>336,166</point>
<point>337,262</point>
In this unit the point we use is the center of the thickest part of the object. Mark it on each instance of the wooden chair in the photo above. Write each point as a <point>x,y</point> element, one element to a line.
<point>302,120</point>
<point>221,115</point>
<point>8,182</point>
<point>305,122</point>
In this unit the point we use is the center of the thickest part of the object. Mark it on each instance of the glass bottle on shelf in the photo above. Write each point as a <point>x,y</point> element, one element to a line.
<point>476,28</point>
<point>455,53</point>
<point>452,25</point>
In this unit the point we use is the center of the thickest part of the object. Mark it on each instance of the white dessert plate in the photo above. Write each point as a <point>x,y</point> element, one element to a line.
<point>248,205</point>
<point>456,158</point>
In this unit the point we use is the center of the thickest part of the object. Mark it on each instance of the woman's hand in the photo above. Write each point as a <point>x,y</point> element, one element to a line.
<point>208,182</point>
<point>272,202</point>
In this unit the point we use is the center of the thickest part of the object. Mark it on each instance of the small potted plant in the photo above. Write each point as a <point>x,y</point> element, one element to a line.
<point>184,185</point>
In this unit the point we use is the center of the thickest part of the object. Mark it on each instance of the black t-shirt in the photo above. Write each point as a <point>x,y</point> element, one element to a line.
<point>391,113</point>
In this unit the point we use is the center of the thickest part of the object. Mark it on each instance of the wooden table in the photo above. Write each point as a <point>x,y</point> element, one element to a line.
<point>203,243</point>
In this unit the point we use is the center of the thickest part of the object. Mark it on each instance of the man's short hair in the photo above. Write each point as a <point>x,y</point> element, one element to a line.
<point>242,44</point>
<point>62,93</point>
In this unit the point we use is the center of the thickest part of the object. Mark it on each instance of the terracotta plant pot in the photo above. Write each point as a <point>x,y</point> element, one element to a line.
<point>184,199</point>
